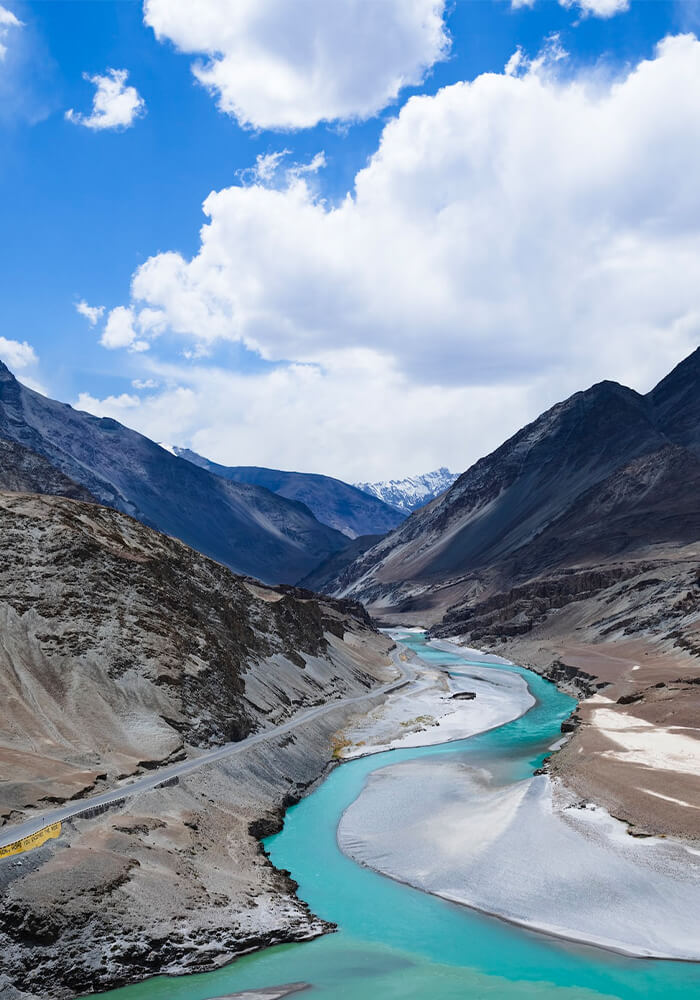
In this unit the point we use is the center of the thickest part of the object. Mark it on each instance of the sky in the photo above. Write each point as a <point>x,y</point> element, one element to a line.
<point>365,238</point>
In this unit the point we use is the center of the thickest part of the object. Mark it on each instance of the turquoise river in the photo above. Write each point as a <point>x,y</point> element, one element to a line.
<point>397,942</point>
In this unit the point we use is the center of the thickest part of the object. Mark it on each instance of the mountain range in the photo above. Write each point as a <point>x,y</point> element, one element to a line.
<point>606,472</point>
<point>572,548</point>
<point>407,495</point>
<point>246,527</point>
<point>346,508</point>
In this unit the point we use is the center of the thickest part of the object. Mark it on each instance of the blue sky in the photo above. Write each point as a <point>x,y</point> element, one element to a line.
<point>85,208</point>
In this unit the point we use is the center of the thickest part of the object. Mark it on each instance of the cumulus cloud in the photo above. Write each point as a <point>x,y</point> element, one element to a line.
<point>114,106</point>
<point>359,417</point>
<point>279,65</point>
<point>120,331</point>
<point>17,353</point>
<point>518,230</point>
<point>515,214</point>
<point>113,406</point>
<point>8,21</point>
<point>91,313</point>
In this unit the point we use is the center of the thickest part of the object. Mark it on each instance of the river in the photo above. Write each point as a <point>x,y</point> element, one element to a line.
<point>397,942</point>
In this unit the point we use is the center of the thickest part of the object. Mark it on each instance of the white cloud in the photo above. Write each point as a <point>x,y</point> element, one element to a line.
<point>316,163</point>
<point>266,167</point>
<point>120,331</point>
<point>17,354</point>
<point>114,106</point>
<point>599,8</point>
<point>91,313</point>
<point>273,170</point>
<point>113,406</point>
<point>596,8</point>
<point>145,383</point>
<point>545,63</point>
<point>276,64</point>
<point>359,417</point>
<point>518,230</point>
<point>8,21</point>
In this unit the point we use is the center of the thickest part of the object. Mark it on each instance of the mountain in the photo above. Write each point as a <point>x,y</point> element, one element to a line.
<point>543,499</point>
<point>23,471</point>
<point>407,495</point>
<point>119,637</point>
<point>641,518</point>
<point>248,528</point>
<point>322,578</point>
<point>676,403</point>
<point>332,502</point>
<point>123,649</point>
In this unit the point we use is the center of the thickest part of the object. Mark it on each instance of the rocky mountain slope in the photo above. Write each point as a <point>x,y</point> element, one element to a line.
<point>24,471</point>
<point>542,500</point>
<point>322,579</point>
<point>246,527</point>
<point>123,648</point>
<point>407,495</point>
<point>331,501</point>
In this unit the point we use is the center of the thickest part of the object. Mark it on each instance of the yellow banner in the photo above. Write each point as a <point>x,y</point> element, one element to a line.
<point>32,841</point>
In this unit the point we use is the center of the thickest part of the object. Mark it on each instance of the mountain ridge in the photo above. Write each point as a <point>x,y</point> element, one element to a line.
<point>333,502</point>
<point>503,502</point>
<point>248,528</point>
<point>125,650</point>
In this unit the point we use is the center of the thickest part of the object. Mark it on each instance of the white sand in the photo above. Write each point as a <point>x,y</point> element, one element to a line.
<point>520,851</point>
<point>509,851</point>
<point>425,713</point>
<point>644,743</point>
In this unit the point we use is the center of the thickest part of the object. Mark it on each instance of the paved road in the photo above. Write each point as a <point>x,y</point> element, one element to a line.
<point>15,831</point>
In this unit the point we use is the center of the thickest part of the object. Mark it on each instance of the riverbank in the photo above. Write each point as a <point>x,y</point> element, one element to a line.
<point>437,707</point>
<point>635,745</point>
<point>563,866</point>
<point>623,637</point>
<point>527,855</point>
<point>174,880</point>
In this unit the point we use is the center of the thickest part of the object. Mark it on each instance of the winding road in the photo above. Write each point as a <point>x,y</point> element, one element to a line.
<point>16,831</point>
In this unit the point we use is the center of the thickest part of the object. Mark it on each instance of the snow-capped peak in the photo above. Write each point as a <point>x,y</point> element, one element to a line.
<point>412,492</point>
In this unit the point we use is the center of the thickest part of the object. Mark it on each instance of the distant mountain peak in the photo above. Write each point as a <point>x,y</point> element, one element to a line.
<point>412,492</point>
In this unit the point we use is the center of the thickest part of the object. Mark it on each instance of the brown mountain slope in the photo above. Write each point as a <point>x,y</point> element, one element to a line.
<point>123,647</point>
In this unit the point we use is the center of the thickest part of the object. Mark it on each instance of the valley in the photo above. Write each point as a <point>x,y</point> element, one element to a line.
<point>392,938</point>
<point>168,712</point>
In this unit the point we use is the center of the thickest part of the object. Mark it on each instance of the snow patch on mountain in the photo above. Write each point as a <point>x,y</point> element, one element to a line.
<point>412,492</point>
